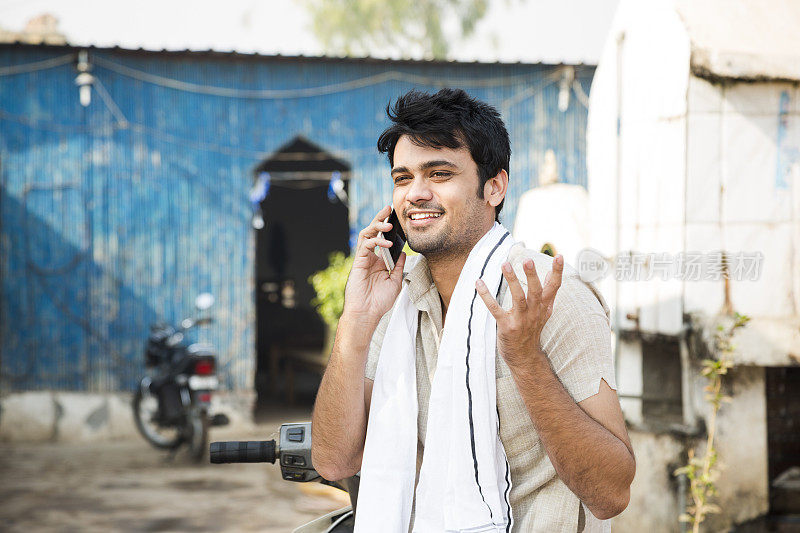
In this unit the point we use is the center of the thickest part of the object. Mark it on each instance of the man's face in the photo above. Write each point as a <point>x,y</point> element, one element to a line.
<point>436,199</point>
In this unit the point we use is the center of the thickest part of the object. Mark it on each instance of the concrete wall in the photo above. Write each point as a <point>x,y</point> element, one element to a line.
<point>743,192</point>
<point>654,505</point>
<point>741,443</point>
<point>636,141</point>
<point>88,417</point>
<point>740,439</point>
<point>629,379</point>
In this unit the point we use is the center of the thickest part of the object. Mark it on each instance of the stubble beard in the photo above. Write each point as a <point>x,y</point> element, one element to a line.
<point>446,243</point>
<point>431,244</point>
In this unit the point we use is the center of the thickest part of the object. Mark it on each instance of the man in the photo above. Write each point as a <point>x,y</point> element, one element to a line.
<point>557,416</point>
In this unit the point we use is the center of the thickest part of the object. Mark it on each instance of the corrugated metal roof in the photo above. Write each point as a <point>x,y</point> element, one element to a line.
<point>278,57</point>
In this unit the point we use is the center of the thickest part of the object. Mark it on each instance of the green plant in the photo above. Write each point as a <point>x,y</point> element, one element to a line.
<point>329,285</point>
<point>361,26</point>
<point>700,471</point>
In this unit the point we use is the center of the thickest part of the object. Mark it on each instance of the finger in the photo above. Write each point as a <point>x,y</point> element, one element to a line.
<point>375,227</point>
<point>494,308</point>
<point>554,281</point>
<point>398,267</point>
<point>534,286</point>
<point>517,293</point>
<point>381,215</point>
<point>371,243</point>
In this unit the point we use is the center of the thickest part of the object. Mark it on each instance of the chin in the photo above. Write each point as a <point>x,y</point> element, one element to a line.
<point>420,247</point>
<point>434,245</point>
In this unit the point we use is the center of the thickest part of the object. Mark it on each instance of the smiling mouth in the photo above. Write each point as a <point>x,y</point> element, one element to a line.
<point>424,216</point>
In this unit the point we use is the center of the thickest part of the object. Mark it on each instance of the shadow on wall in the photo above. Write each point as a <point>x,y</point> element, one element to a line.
<point>67,323</point>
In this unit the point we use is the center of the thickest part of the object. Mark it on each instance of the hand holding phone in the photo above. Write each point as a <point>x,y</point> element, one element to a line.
<point>398,239</point>
<point>370,291</point>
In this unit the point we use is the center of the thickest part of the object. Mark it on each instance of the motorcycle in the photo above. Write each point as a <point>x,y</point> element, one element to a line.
<point>171,404</point>
<point>292,451</point>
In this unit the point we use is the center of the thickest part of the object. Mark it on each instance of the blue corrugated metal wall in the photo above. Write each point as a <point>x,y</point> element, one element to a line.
<point>118,214</point>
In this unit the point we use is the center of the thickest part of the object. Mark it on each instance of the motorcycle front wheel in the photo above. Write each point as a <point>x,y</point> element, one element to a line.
<point>145,413</point>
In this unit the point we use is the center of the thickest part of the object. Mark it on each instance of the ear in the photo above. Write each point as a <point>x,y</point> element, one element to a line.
<point>494,190</point>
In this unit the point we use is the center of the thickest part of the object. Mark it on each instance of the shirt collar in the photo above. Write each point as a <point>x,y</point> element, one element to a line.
<point>420,281</point>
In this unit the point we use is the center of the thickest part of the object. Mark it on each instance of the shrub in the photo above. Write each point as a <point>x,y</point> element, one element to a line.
<point>329,285</point>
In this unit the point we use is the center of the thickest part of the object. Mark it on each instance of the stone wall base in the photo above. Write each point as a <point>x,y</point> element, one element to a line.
<point>55,416</point>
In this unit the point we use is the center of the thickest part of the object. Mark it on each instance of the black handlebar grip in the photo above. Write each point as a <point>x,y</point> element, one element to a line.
<point>258,451</point>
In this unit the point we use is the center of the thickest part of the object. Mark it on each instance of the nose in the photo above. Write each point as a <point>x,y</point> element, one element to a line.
<point>419,191</point>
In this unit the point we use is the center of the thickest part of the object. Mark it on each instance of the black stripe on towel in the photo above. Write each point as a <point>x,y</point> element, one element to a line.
<point>508,483</point>
<point>469,392</point>
<point>508,468</point>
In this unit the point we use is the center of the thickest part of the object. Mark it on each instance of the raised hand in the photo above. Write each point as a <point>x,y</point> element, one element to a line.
<point>371,290</point>
<point>519,329</point>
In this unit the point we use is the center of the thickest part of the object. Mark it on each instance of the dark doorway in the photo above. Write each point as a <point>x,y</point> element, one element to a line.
<point>661,381</point>
<point>302,226</point>
<point>783,439</point>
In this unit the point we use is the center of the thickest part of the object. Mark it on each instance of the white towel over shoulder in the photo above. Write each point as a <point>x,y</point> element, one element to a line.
<point>465,479</point>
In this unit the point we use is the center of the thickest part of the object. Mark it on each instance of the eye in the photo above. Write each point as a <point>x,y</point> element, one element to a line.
<point>441,174</point>
<point>398,179</point>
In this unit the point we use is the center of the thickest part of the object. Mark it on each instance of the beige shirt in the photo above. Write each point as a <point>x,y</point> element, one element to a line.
<point>576,339</point>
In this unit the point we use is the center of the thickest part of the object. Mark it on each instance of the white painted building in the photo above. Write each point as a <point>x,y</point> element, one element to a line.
<point>553,217</point>
<point>694,148</point>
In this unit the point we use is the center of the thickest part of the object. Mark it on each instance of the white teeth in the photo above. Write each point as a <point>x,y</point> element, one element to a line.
<point>421,216</point>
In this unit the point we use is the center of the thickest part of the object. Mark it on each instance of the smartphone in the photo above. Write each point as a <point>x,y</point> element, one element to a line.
<point>398,239</point>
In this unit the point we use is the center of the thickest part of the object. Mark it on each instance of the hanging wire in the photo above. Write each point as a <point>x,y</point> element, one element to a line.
<point>121,121</point>
<point>367,81</point>
<point>583,98</point>
<point>38,65</point>
<point>233,151</point>
<point>530,91</point>
<point>112,106</point>
<point>305,92</point>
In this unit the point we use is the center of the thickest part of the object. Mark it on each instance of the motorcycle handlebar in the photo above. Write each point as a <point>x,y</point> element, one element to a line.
<point>259,451</point>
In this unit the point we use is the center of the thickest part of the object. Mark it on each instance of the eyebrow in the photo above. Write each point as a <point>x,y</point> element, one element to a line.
<point>426,165</point>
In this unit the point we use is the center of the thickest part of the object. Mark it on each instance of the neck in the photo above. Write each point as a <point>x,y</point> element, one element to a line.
<point>445,273</point>
<point>445,270</point>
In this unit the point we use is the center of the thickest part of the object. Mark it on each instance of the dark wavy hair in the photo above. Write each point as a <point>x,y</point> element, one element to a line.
<point>451,118</point>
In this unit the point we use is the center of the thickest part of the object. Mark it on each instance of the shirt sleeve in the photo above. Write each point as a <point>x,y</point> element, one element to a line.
<point>577,338</point>
<point>375,346</point>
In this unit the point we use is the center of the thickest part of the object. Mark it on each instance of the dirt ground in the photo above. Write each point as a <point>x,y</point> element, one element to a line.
<point>130,486</point>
